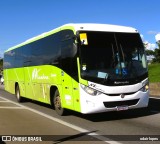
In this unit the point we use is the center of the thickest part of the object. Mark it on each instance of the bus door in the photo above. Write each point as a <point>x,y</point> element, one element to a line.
<point>67,87</point>
<point>70,89</point>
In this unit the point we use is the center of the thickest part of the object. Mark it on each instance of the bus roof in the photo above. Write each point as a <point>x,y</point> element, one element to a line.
<point>102,27</point>
<point>79,27</point>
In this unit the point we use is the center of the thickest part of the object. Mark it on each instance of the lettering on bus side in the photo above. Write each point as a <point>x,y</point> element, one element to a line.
<point>35,74</point>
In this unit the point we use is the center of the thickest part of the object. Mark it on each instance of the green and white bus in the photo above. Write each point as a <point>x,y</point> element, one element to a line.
<point>88,68</point>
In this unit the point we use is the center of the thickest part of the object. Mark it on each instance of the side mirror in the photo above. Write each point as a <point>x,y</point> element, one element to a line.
<point>75,49</point>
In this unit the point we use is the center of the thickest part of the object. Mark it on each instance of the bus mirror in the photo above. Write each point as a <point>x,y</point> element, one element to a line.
<point>74,49</point>
<point>75,37</point>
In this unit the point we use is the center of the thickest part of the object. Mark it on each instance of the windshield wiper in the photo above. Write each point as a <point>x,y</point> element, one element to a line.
<point>122,53</point>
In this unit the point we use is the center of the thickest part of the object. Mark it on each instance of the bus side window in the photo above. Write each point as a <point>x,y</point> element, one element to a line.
<point>26,52</point>
<point>18,58</point>
<point>9,59</point>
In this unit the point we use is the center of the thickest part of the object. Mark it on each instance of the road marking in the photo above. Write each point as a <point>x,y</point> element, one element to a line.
<point>95,135</point>
<point>4,101</point>
<point>154,98</point>
<point>8,107</point>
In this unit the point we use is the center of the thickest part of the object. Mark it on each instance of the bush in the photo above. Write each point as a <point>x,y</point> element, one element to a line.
<point>154,72</point>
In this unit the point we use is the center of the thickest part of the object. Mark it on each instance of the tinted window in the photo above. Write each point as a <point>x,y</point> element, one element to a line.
<point>9,58</point>
<point>46,50</point>
<point>110,57</point>
<point>26,53</point>
<point>42,52</point>
<point>68,54</point>
<point>18,58</point>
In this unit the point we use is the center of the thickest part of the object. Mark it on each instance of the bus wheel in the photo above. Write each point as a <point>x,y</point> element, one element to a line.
<point>57,104</point>
<point>18,96</point>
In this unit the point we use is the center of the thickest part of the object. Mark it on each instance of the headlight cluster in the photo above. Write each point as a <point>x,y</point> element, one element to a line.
<point>90,91</point>
<point>145,88</point>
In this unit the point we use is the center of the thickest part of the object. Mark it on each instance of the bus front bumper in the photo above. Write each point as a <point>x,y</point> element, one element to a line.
<point>106,103</point>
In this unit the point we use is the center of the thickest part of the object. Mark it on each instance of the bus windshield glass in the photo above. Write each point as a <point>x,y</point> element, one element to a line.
<point>112,57</point>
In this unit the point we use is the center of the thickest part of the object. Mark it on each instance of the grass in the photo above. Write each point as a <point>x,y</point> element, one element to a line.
<point>154,72</point>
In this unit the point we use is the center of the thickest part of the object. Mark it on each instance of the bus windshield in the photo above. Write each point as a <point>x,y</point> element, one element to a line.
<point>112,58</point>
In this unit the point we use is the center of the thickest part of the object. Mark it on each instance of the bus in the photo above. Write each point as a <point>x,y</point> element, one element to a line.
<point>84,67</point>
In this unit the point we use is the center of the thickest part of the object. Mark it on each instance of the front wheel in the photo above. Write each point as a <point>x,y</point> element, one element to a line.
<point>17,93</point>
<point>57,104</point>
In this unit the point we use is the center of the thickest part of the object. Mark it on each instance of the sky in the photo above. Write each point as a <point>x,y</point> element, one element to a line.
<point>24,19</point>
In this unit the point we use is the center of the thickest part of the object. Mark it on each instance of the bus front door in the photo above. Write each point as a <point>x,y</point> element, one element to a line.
<point>67,99</point>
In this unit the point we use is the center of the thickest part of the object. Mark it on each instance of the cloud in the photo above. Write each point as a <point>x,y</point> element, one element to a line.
<point>1,54</point>
<point>152,32</point>
<point>157,37</point>
<point>150,46</point>
<point>142,36</point>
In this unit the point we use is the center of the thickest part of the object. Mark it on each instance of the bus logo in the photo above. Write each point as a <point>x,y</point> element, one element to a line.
<point>122,95</point>
<point>35,75</point>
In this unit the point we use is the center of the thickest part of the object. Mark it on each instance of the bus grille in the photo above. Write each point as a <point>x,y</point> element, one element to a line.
<point>126,94</point>
<point>120,103</point>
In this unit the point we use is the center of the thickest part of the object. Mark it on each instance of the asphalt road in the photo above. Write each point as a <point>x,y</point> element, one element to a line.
<point>33,119</point>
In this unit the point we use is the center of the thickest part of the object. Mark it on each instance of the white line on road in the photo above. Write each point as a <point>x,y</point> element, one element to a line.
<point>4,102</point>
<point>8,107</point>
<point>155,97</point>
<point>95,135</point>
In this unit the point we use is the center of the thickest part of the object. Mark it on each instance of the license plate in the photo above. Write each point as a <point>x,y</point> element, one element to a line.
<point>122,108</point>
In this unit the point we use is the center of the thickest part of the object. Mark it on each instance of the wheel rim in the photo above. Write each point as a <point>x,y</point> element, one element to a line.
<point>57,102</point>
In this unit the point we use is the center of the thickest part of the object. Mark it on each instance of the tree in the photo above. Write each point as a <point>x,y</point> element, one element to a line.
<point>157,54</point>
<point>149,52</point>
<point>1,63</point>
<point>158,43</point>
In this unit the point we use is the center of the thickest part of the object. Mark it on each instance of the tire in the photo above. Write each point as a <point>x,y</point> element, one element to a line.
<point>57,104</point>
<point>17,93</point>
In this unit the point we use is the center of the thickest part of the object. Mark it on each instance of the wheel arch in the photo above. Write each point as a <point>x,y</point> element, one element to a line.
<point>52,92</point>
<point>16,84</point>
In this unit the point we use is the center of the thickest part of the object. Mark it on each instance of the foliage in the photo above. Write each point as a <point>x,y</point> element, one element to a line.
<point>157,56</point>
<point>154,72</point>
<point>155,53</point>
<point>1,63</point>
<point>149,52</point>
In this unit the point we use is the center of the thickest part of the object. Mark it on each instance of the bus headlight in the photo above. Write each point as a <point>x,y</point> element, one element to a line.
<point>90,91</point>
<point>145,88</point>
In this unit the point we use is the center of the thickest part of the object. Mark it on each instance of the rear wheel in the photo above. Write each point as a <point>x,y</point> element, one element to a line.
<point>57,104</point>
<point>17,93</point>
